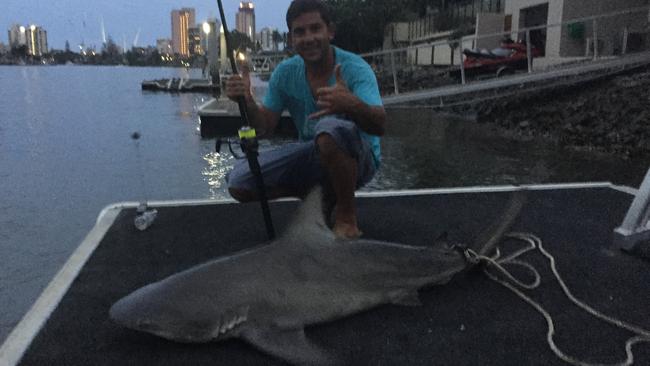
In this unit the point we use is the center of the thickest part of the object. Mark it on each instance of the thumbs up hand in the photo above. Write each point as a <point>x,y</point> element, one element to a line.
<point>336,99</point>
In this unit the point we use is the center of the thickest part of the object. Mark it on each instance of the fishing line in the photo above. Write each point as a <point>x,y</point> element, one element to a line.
<point>641,335</point>
<point>135,136</point>
<point>144,216</point>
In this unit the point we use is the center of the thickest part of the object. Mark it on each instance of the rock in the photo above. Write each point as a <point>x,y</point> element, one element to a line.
<point>607,115</point>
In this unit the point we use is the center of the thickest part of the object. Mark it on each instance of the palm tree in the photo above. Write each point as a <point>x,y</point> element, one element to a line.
<point>277,38</point>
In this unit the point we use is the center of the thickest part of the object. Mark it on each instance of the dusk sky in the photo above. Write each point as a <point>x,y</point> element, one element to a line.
<point>80,20</point>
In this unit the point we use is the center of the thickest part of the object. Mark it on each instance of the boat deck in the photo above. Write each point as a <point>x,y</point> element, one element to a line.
<point>470,321</point>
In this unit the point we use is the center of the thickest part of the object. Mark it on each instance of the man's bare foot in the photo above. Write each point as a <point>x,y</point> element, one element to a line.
<point>346,231</point>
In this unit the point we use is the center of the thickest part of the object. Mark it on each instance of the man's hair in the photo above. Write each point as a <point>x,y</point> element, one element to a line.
<point>300,7</point>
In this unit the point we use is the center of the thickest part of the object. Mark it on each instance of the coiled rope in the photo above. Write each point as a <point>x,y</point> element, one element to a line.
<point>513,284</point>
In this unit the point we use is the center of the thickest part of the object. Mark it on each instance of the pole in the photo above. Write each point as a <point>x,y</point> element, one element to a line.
<point>248,137</point>
<point>394,71</point>
<point>595,26</point>
<point>462,65</point>
<point>529,53</point>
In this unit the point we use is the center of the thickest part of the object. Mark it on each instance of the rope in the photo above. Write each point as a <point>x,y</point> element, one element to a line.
<point>534,242</point>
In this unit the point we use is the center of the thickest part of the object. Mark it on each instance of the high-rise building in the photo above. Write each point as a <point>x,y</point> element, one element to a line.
<point>266,39</point>
<point>164,46</point>
<point>17,36</point>
<point>36,40</point>
<point>245,21</point>
<point>182,21</point>
<point>194,37</point>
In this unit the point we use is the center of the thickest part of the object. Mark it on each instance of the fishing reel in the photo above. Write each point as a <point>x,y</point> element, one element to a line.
<point>247,142</point>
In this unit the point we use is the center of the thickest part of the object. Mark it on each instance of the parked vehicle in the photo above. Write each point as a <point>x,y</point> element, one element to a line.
<point>505,59</point>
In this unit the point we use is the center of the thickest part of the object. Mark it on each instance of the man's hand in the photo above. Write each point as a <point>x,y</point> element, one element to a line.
<point>240,85</point>
<point>337,99</point>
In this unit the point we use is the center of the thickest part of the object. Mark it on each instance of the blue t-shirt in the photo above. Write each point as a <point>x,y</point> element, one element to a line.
<point>289,89</point>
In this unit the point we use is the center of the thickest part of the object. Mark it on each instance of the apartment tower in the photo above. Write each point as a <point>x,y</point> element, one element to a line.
<point>245,21</point>
<point>182,21</point>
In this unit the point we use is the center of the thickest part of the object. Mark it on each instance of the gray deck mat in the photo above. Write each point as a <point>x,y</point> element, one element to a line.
<point>470,321</point>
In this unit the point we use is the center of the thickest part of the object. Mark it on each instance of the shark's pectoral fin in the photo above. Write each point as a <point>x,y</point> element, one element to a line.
<point>289,345</point>
<point>409,298</point>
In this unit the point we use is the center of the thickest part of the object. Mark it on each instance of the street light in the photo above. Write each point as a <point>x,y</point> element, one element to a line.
<point>206,28</point>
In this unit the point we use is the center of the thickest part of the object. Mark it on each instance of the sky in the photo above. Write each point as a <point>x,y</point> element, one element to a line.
<point>80,20</point>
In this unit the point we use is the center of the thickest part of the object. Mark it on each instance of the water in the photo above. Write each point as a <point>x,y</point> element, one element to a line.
<point>66,152</point>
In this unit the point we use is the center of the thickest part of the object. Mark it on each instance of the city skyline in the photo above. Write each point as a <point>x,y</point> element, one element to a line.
<point>76,22</point>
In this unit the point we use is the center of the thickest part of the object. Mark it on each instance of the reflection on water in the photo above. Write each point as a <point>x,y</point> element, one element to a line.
<point>218,165</point>
<point>423,149</point>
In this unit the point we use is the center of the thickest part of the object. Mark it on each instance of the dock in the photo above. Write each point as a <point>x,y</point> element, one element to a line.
<point>221,118</point>
<point>181,85</point>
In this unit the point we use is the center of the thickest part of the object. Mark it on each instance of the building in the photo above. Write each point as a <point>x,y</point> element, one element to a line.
<point>17,36</point>
<point>164,46</point>
<point>194,41</point>
<point>561,29</point>
<point>614,34</point>
<point>266,39</point>
<point>182,21</point>
<point>36,40</point>
<point>245,21</point>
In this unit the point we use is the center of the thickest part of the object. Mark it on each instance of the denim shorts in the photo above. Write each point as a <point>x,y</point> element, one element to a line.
<point>297,166</point>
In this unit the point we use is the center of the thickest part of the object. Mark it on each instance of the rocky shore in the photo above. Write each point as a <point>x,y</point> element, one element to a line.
<point>608,115</point>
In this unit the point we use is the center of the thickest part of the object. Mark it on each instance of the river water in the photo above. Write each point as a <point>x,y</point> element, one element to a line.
<point>66,152</point>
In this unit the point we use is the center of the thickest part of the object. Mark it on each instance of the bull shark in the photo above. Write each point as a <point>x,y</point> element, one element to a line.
<point>267,295</point>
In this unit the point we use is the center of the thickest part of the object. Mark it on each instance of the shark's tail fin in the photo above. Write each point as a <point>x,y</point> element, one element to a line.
<point>494,233</point>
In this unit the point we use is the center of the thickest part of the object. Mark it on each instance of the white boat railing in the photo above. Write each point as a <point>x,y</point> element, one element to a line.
<point>439,59</point>
<point>635,228</point>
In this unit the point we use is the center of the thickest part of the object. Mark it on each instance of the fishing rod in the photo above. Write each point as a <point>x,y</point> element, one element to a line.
<point>247,136</point>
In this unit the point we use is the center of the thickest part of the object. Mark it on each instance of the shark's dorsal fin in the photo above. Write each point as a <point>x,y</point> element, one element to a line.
<point>290,345</point>
<point>308,221</point>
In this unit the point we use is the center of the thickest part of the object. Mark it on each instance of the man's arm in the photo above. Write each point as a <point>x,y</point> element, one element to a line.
<point>338,99</point>
<point>262,119</point>
<point>370,119</point>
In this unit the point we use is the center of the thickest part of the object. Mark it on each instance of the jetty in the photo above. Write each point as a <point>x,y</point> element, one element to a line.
<point>180,85</point>
<point>219,117</point>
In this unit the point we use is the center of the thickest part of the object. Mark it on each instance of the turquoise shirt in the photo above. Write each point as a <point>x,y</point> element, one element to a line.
<point>289,89</point>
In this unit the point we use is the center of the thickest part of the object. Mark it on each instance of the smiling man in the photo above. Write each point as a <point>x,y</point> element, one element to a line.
<point>334,101</point>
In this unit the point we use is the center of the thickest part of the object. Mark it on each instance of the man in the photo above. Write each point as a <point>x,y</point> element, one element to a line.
<point>334,101</point>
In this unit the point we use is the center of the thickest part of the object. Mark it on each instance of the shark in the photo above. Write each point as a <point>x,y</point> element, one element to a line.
<point>267,295</point>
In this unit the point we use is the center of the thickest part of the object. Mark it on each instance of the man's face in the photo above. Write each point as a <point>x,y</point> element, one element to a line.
<point>310,37</point>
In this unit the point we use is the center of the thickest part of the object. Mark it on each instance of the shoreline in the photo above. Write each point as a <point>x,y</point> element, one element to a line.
<point>610,115</point>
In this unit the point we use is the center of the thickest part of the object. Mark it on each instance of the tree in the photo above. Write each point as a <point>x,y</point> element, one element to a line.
<point>111,53</point>
<point>277,38</point>
<point>19,51</point>
<point>240,41</point>
<point>360,24</point>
